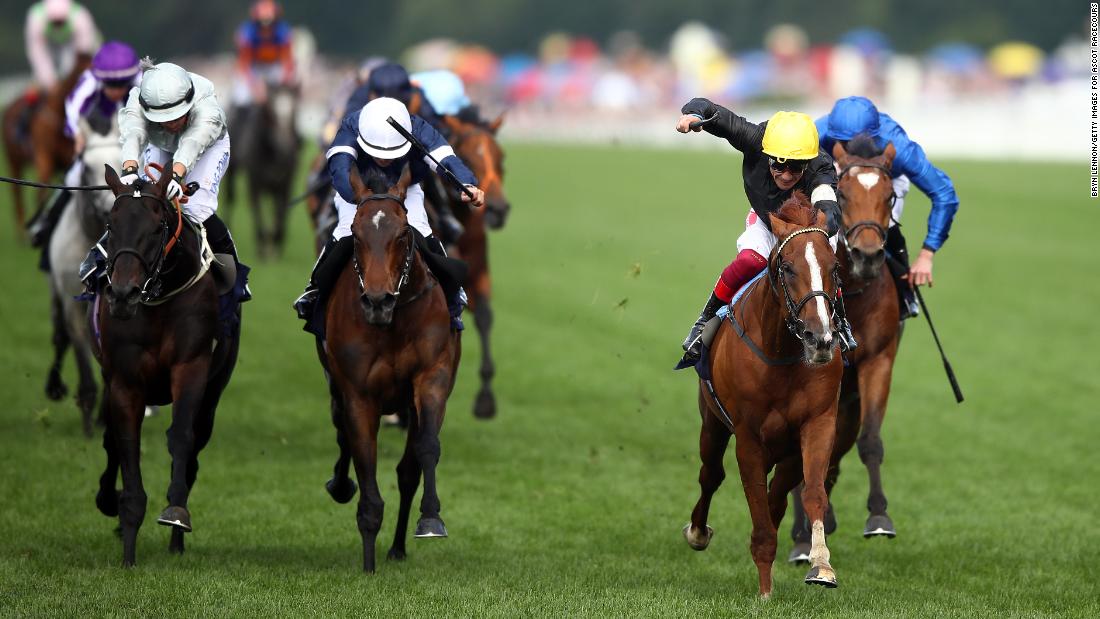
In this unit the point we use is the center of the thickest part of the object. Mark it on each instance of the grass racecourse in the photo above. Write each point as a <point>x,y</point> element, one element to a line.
<point>571,502</point>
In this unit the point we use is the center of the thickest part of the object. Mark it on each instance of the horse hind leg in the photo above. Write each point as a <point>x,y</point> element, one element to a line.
<point>56,389</point>
<point>408,480</point>
<point>713,440</point>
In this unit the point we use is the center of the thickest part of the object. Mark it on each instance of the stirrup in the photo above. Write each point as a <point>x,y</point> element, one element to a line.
<point>304,303</point>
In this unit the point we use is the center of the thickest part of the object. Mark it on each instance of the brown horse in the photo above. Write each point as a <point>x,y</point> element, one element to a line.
<point>44,143</point>
<point>476,145</point>
<point>866,197</point>
<point>775,385</point>
<point>154,349</point>
<point>389,347</point>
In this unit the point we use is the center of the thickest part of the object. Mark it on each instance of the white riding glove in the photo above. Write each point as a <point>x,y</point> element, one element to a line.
<point>128,177</point>
<point>175,189</point>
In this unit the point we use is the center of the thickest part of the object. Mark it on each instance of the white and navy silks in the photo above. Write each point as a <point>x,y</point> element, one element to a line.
<point>202,147</point>
<point>345,156</point>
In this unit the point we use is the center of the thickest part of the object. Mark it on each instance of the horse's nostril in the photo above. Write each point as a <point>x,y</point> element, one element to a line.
<point>879,254</point>
<point>808,336</point>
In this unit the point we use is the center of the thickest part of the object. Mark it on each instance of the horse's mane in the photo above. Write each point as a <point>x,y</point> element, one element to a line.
<point>376,181</point>
<point>797,210</point>
<point>863,146</point>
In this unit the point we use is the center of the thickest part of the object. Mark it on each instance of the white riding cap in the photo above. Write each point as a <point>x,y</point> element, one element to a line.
<point>166,93</point>
<point>376,136</point>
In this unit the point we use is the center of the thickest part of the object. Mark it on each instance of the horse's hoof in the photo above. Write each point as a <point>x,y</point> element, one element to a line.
<point>341,493</point>
<point>107,502</point>
<point>430,527</point>
<point>800,554</point>
<point>174,516</point>
<point>395,555</point>
<point>485,407</point>
<point>56,389</point>
<point>879,525</point>
<point>822,575</point>
<point>695,540</point>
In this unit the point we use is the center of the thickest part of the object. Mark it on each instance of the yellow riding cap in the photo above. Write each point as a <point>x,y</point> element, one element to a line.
<point>790,135</point>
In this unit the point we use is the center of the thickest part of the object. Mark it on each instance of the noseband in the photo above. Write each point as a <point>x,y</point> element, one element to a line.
<point>795,324</point>
<point>406,267</point>
<point>867,223</point>
<point>150,289</point>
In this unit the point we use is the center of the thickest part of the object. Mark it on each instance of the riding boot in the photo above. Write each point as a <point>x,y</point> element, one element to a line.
<point>89,268</point>
<point>221,242</point>
<point>693,344</point>
<point>326,271</point>
<point>459,301</point>
<point>898,263</point>
<point>45,220</point>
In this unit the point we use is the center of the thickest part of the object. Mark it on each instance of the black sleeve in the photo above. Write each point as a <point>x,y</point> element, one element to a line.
<point>740,133</point>
<point>821,171</point>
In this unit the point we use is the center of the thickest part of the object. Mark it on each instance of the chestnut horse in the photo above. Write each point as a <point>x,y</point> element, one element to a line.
<point>476,145</point>
<point>45,145</point>
<point>866,198</point>
<point>389,347</point>
<point>156,348</point>
<point>775,383</point>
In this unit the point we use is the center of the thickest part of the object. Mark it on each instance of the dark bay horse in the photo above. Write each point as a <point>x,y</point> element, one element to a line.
<point>775,387</point>
<point>266,145</point>
<point>389,347</point>
<point>866,197</point>
<point>43,144</point>
<point>156,348</point>
<point>476,145</point>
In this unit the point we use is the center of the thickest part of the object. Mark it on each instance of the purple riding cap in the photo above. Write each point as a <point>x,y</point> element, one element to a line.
<point>115,62</point>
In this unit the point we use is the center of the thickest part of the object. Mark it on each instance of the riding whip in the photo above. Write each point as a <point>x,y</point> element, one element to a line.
<point>946,363</point>
<point>19,181</point>
<point>438,166</point>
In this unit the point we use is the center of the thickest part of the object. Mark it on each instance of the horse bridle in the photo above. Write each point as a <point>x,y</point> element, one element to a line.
<point>150,289</point>
<point>406,267</point>
<point>866,223</point>
<point>836,304</point>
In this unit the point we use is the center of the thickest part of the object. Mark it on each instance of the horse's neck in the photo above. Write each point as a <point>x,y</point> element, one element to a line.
<point>764,317</point>
<point>182,262</point>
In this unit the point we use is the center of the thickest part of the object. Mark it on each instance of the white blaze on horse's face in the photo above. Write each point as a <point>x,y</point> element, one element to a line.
<point>868,179</point>
<point>377,219</point>
<point>815,286</point>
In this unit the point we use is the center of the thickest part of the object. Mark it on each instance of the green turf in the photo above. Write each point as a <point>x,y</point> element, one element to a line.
<point>571,502</point>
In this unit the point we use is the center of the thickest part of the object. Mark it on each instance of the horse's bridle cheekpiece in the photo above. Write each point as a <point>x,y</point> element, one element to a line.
<point>151,288</point>
<point>410,251</point>
<point>836,303</point>
<point>866,223</point>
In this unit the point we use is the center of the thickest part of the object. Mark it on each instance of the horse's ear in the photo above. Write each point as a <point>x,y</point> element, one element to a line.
<point>111,177</point>
<point>779,227</point>
<point>494,126</point>
<point>889,153</point>
<point>821,219</point>
<point>165,177</point>
<point>402,186</point>
<point>839,154</point>
<point>453,123</point>
<point>358,187</point>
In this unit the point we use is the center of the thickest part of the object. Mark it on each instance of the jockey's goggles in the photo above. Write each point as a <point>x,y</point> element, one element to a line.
<point>796,166</point>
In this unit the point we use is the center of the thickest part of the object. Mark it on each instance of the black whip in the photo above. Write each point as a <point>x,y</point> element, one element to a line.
<point>19,181</point>
<point>438,166</point>
<point>946,363</point>
<point>702,121</point>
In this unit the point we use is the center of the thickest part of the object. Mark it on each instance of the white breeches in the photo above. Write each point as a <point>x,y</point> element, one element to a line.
<point>414,204</point>
<point>760,239</point>
<point>901,187</point>
<point>207,172</point>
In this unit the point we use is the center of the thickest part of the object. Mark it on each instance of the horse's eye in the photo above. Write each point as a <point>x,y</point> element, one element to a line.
<point>787,268</point>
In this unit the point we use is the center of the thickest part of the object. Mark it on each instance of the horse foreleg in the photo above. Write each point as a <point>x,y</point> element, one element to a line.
<point>282,209</point>
<point>55,385</point>
<point>341,487</point>
<point>485,407</point>
<point>874,388</point>
<point>189,382</point>
<point>106,500</point>
<point>408,480</point>
<point>87,390</point>
<point>753,466</point>
<point>430,395</point>
<point>361,423</point>
<point>816,439</point>
<point>255,202</point>
<point>714,438</point>
<point>124,419</point>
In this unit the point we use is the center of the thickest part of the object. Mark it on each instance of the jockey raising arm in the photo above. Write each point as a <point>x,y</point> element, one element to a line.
<point>855,115</point>
<point>780,157</point>
<point>55,32</point>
